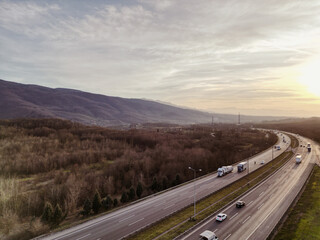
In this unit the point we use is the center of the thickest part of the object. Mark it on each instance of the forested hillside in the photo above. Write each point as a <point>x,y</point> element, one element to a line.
<point>309,127</point>
<point>70,171</point>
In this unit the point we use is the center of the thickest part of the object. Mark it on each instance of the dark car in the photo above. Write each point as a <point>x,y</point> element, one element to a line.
<point>240,204</point>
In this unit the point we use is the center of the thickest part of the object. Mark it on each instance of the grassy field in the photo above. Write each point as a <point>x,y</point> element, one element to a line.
<point>176,224</point>
<point>303,221</point>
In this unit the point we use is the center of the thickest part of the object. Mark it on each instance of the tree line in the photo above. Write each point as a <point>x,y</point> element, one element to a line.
<point>83,170</point>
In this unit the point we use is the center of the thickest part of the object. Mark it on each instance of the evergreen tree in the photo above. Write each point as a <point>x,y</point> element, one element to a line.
<point>131,194</point>
<point>107,202</point>
<point>96,203</point>
<point>124,197</point>
<point>139,190</point>
<point>178,179</point>
<point>164,183</point>
<point>155,185</point>
<point>87,207</point>
<point>115,202</point>
<point>47,213</point>
<point>57,215</point>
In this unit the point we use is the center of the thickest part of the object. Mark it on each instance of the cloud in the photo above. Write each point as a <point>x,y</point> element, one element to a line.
<point>179,51</point>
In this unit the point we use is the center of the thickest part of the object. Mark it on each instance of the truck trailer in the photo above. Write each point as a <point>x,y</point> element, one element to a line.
<point>298,158</point>
<point>224,170</point>
<point>242,166</point>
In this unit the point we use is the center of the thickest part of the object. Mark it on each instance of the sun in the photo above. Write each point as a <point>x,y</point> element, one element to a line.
<point>310,76</point>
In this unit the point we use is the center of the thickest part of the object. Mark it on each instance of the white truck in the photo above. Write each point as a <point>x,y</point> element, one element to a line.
<point>309,147</point>
<point>242,166</point>
<point>298,158</point>
<point>224,170</point>
<point>208,235</point>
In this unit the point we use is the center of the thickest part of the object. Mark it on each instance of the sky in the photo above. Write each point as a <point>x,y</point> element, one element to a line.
<point>224,56</point>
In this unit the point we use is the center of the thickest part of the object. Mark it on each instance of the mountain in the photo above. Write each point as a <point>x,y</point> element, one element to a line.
<point>33,101</point>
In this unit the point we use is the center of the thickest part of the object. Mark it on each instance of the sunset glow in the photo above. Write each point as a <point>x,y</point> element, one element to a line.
<point>218,56</point>
<point>310,76</point>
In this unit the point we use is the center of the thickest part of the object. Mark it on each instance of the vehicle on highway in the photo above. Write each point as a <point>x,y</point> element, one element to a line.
<point>240,204</point>
<point>221,217</point>
<point>208,235</point>
<point>298,158</point>
<point>277,147</point>
<point>262,162</point>
<point>309,147</point>
<point>224,170</point>
<point>242,166</point>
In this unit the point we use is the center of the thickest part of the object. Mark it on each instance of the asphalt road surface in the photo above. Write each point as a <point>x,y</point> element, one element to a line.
<point>265,205</point>
<point>127,220</point>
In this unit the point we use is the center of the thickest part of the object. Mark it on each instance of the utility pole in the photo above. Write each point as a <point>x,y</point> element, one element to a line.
<point>194,190</point>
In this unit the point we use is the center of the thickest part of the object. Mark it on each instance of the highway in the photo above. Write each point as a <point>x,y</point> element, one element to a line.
<point>120,223</point>
<point>265,205</point>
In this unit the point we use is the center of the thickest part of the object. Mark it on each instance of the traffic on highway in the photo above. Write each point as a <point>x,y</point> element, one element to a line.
<point>125,221</point>
<point>264,205</point>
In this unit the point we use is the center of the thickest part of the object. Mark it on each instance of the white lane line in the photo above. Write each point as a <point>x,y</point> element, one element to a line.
<point>158,204</point>
<point>246,219</point>
<point>126,218</point>
<point>234,216</point>
<point>260,205</point>
<point>249,203</point>
<point>215,230</point>
<point>169,206</point>
<point>261,194</point>
<point>136,222</point>
<point>84,236</point>
<point>270,212</point>
<point>227,236</point>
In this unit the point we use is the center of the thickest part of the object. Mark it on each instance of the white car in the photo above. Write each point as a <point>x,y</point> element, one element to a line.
<point>208,235</point>
<point>221,216</point>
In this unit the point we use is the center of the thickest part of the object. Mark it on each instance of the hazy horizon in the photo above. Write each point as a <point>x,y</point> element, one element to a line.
<point>215,56</point>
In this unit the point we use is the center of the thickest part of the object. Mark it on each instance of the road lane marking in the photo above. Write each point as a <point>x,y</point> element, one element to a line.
<point>158,204</point>
<point>270,212</point>
<point>227,236</point>
<point>234,216</point>
<point>260,205</point>
<point>169,206</point>
<point>136,222</point>
<point>246,219</point>
<point>249,203</point>
<point>84,236</point>
<point>215,230</point>
<point>126,218</point>
<point>261,194</point>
